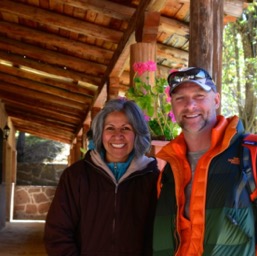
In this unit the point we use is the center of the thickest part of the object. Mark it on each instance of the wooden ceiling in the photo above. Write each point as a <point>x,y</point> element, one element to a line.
<point>56,56</point>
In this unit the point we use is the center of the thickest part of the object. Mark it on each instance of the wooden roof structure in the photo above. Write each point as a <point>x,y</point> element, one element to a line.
<point>57,56</point>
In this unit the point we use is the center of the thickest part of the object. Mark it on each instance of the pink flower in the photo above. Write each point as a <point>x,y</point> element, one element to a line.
<point>147,118</point>
<point>144,91</point>
<point>172,117</point>
<point>151,66</point>
<point>142,67</point>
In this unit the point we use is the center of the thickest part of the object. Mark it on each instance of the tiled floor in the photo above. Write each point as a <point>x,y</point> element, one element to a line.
<point>22,239</point>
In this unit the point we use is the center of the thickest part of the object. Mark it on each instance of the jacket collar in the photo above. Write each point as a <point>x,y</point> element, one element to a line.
<point>137,164</point>
<point>224,132</point>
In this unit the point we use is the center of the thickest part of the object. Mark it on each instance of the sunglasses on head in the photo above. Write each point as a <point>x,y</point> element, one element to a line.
<point>188,74</point>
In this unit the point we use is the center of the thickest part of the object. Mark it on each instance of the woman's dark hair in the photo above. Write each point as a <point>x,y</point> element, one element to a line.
<point>135,116</point>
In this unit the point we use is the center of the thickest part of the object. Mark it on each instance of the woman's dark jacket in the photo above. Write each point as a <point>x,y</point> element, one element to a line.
<point>93,215</point>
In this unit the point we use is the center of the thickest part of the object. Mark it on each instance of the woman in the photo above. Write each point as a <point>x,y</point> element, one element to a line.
<point>104,204</point>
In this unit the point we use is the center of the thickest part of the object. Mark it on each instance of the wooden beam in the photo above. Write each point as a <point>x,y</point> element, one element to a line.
<point>26,106</point>
<point>123,59</point>
<point>42,131</point>
<point>37,77</point>
<point>168,52</point>
<point>50,41</point>
<point>44,88</point>
<point>41,100</point>
<point>156,5</point>
<point>19,60</point>
<point>51,57</point>
<point>60,21</point>
<point>171,26</point>
<point>114,86</point>
<point>135,20</point>
<point>107,8</point>
<point>233,8</point>
<point>147,31</point>
<point>40,119</point>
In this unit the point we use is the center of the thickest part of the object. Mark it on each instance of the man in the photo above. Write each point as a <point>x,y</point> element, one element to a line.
<point>203,208</point>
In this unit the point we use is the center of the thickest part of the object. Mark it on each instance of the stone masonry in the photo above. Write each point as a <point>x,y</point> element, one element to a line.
<point>32,202</point>
<point>34,189</point>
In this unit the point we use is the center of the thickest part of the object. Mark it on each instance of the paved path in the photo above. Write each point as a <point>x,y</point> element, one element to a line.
<point>22,239</point>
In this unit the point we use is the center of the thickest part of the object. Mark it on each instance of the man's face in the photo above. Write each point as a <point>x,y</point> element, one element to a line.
<point>194,108</point>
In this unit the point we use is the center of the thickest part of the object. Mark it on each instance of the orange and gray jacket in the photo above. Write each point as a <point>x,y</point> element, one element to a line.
<point>222,216</point>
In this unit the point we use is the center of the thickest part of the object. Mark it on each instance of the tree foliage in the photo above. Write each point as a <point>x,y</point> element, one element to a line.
<point>34,149</point>
<point>239,90</point>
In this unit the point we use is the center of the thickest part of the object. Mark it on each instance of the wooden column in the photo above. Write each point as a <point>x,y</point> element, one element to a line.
<point>94,112</point>
<point>86,128</point>
<point>218,19</point>
<point>78,146</point>
<point>142,52</point>
<point>10,175</point>
<point>206,30</point>
<point>71,158</point>
<point>145,48</point>
<point>114,85</point>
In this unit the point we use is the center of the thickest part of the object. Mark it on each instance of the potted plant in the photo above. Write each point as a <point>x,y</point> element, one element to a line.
<point>154,100</point>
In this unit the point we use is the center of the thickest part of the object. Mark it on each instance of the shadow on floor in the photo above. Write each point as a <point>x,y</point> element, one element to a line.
<point>22,238</point>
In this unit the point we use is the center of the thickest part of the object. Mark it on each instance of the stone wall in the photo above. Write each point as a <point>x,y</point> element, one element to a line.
<point>41,174</point>
<point>32,202</point>
<point>34,190</point>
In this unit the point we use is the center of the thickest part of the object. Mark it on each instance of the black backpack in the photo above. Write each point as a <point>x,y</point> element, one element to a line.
<point>248,165</point>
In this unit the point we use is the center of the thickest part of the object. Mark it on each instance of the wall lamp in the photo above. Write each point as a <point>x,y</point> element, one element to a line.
<point>6,132</point>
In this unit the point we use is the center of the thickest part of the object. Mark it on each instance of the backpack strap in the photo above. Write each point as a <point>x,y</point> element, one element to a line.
<point>249,164</point>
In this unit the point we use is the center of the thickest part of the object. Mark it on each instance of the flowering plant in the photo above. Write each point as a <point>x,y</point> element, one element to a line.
<point>154,101</point>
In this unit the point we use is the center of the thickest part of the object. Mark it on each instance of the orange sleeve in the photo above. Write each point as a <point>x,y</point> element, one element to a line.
<point>159,184</point>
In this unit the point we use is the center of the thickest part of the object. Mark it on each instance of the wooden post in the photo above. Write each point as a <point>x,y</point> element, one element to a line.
<point>218,25</point>
<point>145,49</point>
<point>206,30</point>
<point>201,34</point>
<point>114,84</point>
<point>206,36</point>
<point>86,128</point>
<point>71,155</point>
<point>94,112</point>
<point>142,52</point>
<point>78,146</point>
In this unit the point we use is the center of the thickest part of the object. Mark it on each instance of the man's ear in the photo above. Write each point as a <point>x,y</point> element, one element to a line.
<point>217,100</point>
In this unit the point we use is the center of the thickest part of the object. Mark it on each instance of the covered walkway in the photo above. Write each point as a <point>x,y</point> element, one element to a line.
<point>21,238</point>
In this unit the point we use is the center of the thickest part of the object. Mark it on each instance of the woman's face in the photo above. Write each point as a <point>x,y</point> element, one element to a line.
<point>118,137</point>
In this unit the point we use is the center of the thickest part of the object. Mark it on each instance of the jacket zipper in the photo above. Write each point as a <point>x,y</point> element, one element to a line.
<point>116,191</point>
<point>115,213</point>
<point>115,198</point>
<point>115,202</point>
